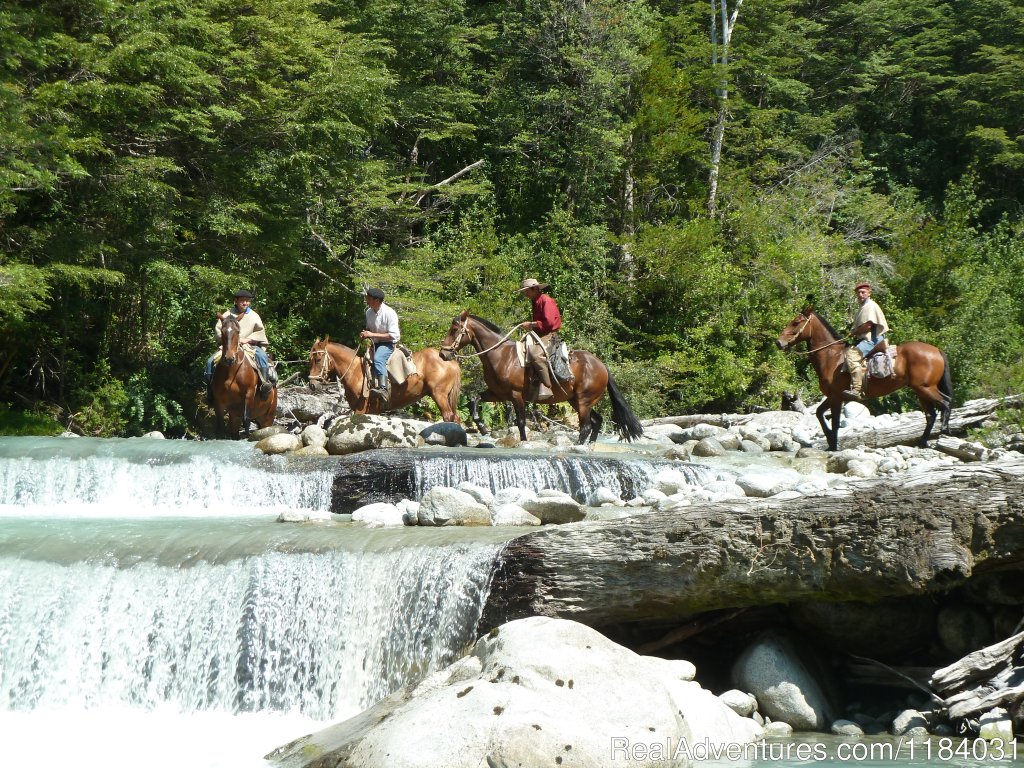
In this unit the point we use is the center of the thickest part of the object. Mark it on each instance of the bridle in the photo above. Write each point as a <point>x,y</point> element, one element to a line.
<point>326,362</point>
<point>227,330</point>
<point>462,333</point>
<point>816,349</point>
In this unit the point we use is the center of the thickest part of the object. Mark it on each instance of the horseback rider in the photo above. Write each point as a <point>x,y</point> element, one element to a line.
<point>382,330</point>
<point>542,329</point>
<point>869,328</point>
<point>252,337</point>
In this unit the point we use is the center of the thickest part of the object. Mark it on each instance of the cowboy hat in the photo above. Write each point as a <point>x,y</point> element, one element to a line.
<point>531,282</point>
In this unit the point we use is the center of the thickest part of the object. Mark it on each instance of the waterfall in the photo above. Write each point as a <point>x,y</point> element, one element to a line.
<point>317,633</point>
<point>153,575</point>
<point>140,476</point>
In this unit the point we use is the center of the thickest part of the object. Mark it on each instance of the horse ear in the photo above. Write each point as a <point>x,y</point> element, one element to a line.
<point>326,339</point>
<point>808,304</point>
<point>464,314</point>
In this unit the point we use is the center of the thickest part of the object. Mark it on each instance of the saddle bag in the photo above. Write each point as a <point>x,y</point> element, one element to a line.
<point>559,358</point>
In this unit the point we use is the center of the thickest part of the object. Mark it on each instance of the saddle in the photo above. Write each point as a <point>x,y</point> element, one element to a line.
<point>400,367</point>
<point>558,357</point>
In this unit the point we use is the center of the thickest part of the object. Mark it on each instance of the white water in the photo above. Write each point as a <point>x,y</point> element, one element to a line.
<point>153,612</point>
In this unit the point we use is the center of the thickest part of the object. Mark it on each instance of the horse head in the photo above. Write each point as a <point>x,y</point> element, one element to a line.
<point>320,362</point>
<point>459,335</point>
<point>796,330</point>
<point>229,335</point>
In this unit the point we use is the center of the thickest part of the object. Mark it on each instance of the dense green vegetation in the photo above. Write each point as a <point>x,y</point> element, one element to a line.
<point>156,154</point>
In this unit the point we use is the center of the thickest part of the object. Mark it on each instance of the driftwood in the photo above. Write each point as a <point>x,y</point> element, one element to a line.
<point>907,432</point>
<point>991,677</point>
<point>930,532</point>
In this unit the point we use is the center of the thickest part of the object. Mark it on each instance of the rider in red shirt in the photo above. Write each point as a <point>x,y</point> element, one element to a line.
<point>546,321</point>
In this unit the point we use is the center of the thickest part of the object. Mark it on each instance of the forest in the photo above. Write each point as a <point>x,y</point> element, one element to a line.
<point>685,175</point>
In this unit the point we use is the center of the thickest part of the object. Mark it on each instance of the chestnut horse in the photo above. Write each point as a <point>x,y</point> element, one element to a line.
<point>505,379</point>
<point>440,379</point>
<point>920,366</point>
<point>235,384</point>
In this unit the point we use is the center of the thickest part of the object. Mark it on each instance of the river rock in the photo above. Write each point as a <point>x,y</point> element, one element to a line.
<point>449,506</point>
<point>262,434</point>
<point>709,446</point>
<point>444,433</point>
<point>555,507</point>
<point>534,692</point>
<point>478,492</point>
<point>362,432</point>
<point>314,435</point>
<point>379,515</point>
<point>284,442</point>
<point>743,704</point>
<point>513,514</point>
<point>910,723</point>
<point>772,669</point>
<point>307,406</point>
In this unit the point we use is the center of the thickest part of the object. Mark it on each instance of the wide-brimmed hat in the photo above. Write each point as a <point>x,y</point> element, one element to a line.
<point>241,293</point>
<point>858,286</point>
<point>375,293</point>
<point>531,282</point>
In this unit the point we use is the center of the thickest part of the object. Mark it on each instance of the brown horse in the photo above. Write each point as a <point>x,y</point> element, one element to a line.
<point>505,379</point>
<point>235,384</point>
<point>920,366</point>
<point>440,379</point>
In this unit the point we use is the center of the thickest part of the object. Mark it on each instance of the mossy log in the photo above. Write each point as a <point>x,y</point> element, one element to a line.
<point>926,531</point>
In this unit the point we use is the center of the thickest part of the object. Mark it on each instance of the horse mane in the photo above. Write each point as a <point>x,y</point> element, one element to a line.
<point>486,324</point>
<point>828,326</point>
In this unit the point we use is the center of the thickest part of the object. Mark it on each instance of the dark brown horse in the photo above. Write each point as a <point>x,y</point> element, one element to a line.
<point>920,366</point>
<point>235,384</point>
<point>505,379</point>
<point>440,379</point>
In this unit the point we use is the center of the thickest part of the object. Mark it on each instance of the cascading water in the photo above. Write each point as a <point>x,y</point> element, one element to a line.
<point>141,578</point>
<point>407,473</point>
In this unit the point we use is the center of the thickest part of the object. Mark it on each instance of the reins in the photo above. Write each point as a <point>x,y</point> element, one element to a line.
<point>816,349</point>
<point>462,332</point>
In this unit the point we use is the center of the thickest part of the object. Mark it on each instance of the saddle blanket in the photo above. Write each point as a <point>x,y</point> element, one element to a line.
<point>881,365</point>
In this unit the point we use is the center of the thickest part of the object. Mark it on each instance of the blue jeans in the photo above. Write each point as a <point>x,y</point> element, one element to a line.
<point>866,345</point>
<point>381,354</point>
<point>261,361</point>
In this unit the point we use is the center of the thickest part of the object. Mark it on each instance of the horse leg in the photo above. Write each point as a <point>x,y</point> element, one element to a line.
<point>596,420</point>
<point>474,414</point>
<point>831,432</point>
<point>520,409</point>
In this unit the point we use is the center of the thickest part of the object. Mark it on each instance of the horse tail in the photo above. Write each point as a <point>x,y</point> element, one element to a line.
<point>626,422</point>
<point>454,392</point>
<point>946,383</point>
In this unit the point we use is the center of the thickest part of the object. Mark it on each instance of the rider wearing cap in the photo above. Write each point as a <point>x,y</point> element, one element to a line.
<point>252,336</point>
<point>545,323</point>
<point>382,330</point>
<point>869,329</point>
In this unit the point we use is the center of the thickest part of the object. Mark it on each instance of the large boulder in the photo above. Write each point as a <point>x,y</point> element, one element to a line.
<point>450,506</point>
<point>775,671</point>
<point>363,432</point>
<point>534,692</point>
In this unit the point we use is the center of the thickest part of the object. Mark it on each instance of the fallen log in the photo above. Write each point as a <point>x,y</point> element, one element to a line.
<point>929,532</point>
<point>987,678</point>
<point>907,432</point>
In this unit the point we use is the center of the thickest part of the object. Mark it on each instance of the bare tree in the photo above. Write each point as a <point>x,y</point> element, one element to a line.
<point>720,61</point>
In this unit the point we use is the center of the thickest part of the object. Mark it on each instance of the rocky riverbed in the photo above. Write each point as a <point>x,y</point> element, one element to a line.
<point>872,590</point>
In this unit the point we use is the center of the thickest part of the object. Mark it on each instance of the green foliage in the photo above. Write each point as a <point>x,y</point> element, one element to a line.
<point>157,154</point>
<point>27,423</point>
